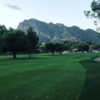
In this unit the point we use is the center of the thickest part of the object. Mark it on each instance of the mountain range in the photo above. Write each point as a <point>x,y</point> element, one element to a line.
<point>58,32</point>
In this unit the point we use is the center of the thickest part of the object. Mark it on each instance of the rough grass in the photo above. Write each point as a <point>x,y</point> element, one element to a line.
<point>46,77</point>
<point>91,89</point>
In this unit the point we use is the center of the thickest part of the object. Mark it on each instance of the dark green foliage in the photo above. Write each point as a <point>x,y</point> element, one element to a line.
<point>3,29</point>
<point>32,37</point>
<point>79,45</point>
<point>1,45</point>
<point>97,46</point>
<point>60,47</point>
<point>32,41</point>
<point>15,41</point>
<point>51,47</point>
<point>83,46</point>
<point>55,47</point>
<point>68,45</point>
<point>95,6</point>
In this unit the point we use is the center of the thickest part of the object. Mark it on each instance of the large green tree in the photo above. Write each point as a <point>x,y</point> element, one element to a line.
<point>32,37</point>
<point>55,47</point>
<point>33,40</point>
<point>3,29</point>
<point>15,41</point>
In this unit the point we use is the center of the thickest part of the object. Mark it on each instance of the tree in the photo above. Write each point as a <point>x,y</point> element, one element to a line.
<point>80,46</point>
<point>96,46</point>
<point>50,47</point>
<point>60,47</point>
<point>54,47</point>
<point>15,41</point>
<point>68,45</point>
<point>33,39</point>
<point>83,46</point>
<point>3,29</point>
<point>94,12</point>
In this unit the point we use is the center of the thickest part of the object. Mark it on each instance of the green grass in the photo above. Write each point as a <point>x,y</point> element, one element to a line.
<point>46,77</point>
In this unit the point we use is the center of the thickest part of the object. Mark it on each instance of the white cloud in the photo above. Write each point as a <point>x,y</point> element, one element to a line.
<point>14,7</point>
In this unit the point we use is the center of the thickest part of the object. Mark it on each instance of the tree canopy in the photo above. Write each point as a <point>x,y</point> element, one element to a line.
<point>94,11</point>
<point>16,41</point>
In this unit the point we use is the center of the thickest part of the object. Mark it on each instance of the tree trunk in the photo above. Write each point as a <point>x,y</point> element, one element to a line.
<point>53,53</point>
<point>14,55</point>
<point>30,56</point>
<point>60,53</point>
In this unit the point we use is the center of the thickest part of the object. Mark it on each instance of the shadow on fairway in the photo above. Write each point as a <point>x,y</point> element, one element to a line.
<point>4,59</point>
<point>91,89</point>
<point>18,59</point>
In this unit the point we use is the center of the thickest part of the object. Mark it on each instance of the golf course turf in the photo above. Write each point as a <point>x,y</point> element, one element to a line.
<point>73,76</point>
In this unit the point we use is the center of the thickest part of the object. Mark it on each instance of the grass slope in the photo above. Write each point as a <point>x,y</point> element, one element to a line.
<point>45,77</point>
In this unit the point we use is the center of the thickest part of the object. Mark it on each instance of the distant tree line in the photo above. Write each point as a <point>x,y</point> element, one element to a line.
<point>71,46</point>
<point>14,41</point>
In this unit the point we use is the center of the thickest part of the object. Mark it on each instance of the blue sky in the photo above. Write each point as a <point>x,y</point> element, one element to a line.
<point>68,12</point>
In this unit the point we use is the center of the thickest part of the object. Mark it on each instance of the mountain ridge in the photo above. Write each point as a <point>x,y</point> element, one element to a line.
<point>59,32</point>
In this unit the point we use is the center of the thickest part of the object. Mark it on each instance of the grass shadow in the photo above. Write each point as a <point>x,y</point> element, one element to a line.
<point>21,58</point>
<point>10,59</point>
<point>91,89</point>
